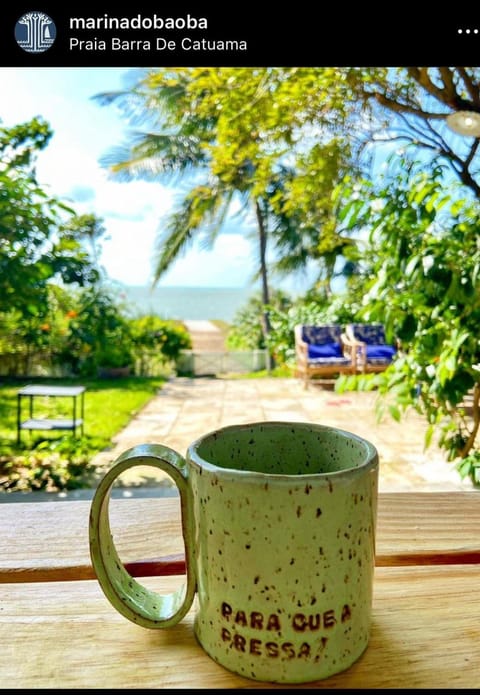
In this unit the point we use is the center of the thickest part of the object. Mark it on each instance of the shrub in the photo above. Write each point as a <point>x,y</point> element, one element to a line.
<point>157,340</point>
<point>53,466</point>
<point>99,335</point>
<point>246,331</point>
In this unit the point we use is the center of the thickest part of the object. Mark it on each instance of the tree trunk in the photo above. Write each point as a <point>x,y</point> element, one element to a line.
<point>262,236</point>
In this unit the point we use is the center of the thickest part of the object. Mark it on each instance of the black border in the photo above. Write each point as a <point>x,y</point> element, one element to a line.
<point>302,35</point>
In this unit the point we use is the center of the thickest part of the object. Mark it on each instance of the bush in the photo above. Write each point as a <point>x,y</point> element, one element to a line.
<point>99,335</point>
<point>157,341</point>
<point>246,331</point>
<point>53,466</point>
<point>423,284</point>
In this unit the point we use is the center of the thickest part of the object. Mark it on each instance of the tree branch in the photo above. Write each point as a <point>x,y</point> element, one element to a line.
<point>470,86</point>
<point>467,179</point>
<point>448,96</point>
<point>436,143</point>
<point>421,76</point>
<point>472,153</point>
<point>399,107</point>
<point>435,139</point>
<point>447,78</point>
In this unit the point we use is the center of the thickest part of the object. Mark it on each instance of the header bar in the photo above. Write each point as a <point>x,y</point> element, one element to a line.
<point>180,35</point>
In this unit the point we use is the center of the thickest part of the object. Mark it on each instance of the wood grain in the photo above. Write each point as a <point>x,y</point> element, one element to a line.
<point>65,634</point>
<point>48,541</point>
<point>425,634</point>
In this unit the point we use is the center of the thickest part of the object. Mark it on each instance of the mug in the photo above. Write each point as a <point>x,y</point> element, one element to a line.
<point>278,523</point>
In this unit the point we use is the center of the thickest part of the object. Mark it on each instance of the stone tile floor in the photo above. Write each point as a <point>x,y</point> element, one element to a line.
<point>187,408</point>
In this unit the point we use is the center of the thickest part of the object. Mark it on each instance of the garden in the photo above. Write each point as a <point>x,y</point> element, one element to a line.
<point>85,338</point>
<point>55,462</point>
<point>352,172</point>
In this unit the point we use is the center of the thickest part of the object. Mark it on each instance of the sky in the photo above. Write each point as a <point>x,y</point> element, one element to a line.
<point>69,168</point>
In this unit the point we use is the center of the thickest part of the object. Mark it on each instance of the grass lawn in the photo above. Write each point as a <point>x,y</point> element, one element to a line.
<point>57,460</point>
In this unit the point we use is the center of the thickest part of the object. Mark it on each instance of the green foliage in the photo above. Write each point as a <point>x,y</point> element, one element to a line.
<point>31,253</point>
<point>422,282</point>
<point>237,129</point>
<point>20,144</point>
<point>307,230</point>
<point>246,331</point>
<point>87,330</point>
<point>41,251</point>
<point>36,248</point>
<point>52,466</point>
<point>36,341</point>
<point>54,462</point>
<point>99,335</point>
<point>160,339</point>
<point>470,467</point>
<point>86,230</point>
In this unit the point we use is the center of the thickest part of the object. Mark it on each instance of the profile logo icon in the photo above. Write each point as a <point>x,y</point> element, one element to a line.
<point>35,32</point>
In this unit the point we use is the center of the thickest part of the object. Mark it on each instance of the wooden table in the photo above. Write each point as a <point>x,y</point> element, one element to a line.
<point>58,630</point>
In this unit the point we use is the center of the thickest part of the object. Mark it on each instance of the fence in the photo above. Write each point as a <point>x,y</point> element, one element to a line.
<point>194,362</point>
<point>203,363</point>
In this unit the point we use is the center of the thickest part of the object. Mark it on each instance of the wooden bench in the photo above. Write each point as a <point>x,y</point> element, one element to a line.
<point>59,631</point>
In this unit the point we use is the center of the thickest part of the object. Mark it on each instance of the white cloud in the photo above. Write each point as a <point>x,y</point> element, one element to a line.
<point>229,264</point>
<point>69,167</point>
<point>127,253</point>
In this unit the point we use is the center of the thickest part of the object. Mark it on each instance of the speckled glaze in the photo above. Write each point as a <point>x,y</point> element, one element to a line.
<point>279,527</point>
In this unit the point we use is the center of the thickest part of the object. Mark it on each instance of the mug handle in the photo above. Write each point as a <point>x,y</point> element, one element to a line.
<point>134,601</point>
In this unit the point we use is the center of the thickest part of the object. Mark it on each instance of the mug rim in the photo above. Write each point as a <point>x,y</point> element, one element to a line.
<point>371,453</point>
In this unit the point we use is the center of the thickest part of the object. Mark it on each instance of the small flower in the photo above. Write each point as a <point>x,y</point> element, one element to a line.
<point>71,314</point>
<point>45,327</point>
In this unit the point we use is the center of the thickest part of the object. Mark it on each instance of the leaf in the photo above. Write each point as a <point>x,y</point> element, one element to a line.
<point>428,435</point>
<point>394,412</point>
<point>463,468</point>
<point>457,207</point>
<point>379,411</point>
<point>411,265</point>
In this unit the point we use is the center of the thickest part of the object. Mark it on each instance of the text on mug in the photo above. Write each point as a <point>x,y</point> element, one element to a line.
<point>300,622</point>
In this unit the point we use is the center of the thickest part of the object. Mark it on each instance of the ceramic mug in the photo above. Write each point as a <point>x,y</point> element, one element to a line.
<point>278,523</point>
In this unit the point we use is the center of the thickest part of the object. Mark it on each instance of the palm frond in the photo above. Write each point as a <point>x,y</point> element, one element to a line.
<point>151,156</point>
<point>170,245</point>
<point>203,205</point>
<point>219,216</point>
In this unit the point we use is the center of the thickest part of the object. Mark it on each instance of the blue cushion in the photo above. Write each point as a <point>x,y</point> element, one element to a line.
<point>319,335</point>
<point>370,333</point>
<point>326,350</point>
<point>380,352</point>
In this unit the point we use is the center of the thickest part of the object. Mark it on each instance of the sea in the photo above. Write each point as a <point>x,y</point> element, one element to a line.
<point>186,303</point>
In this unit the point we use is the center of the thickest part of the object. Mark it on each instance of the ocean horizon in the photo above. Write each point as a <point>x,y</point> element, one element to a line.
<point>186,303</point>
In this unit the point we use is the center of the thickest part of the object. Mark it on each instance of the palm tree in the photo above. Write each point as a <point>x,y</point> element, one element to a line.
<point>180,149</point>
<point>225,132</point>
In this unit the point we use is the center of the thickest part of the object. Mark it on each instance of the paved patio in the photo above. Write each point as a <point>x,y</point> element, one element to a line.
<point>187,408</point>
